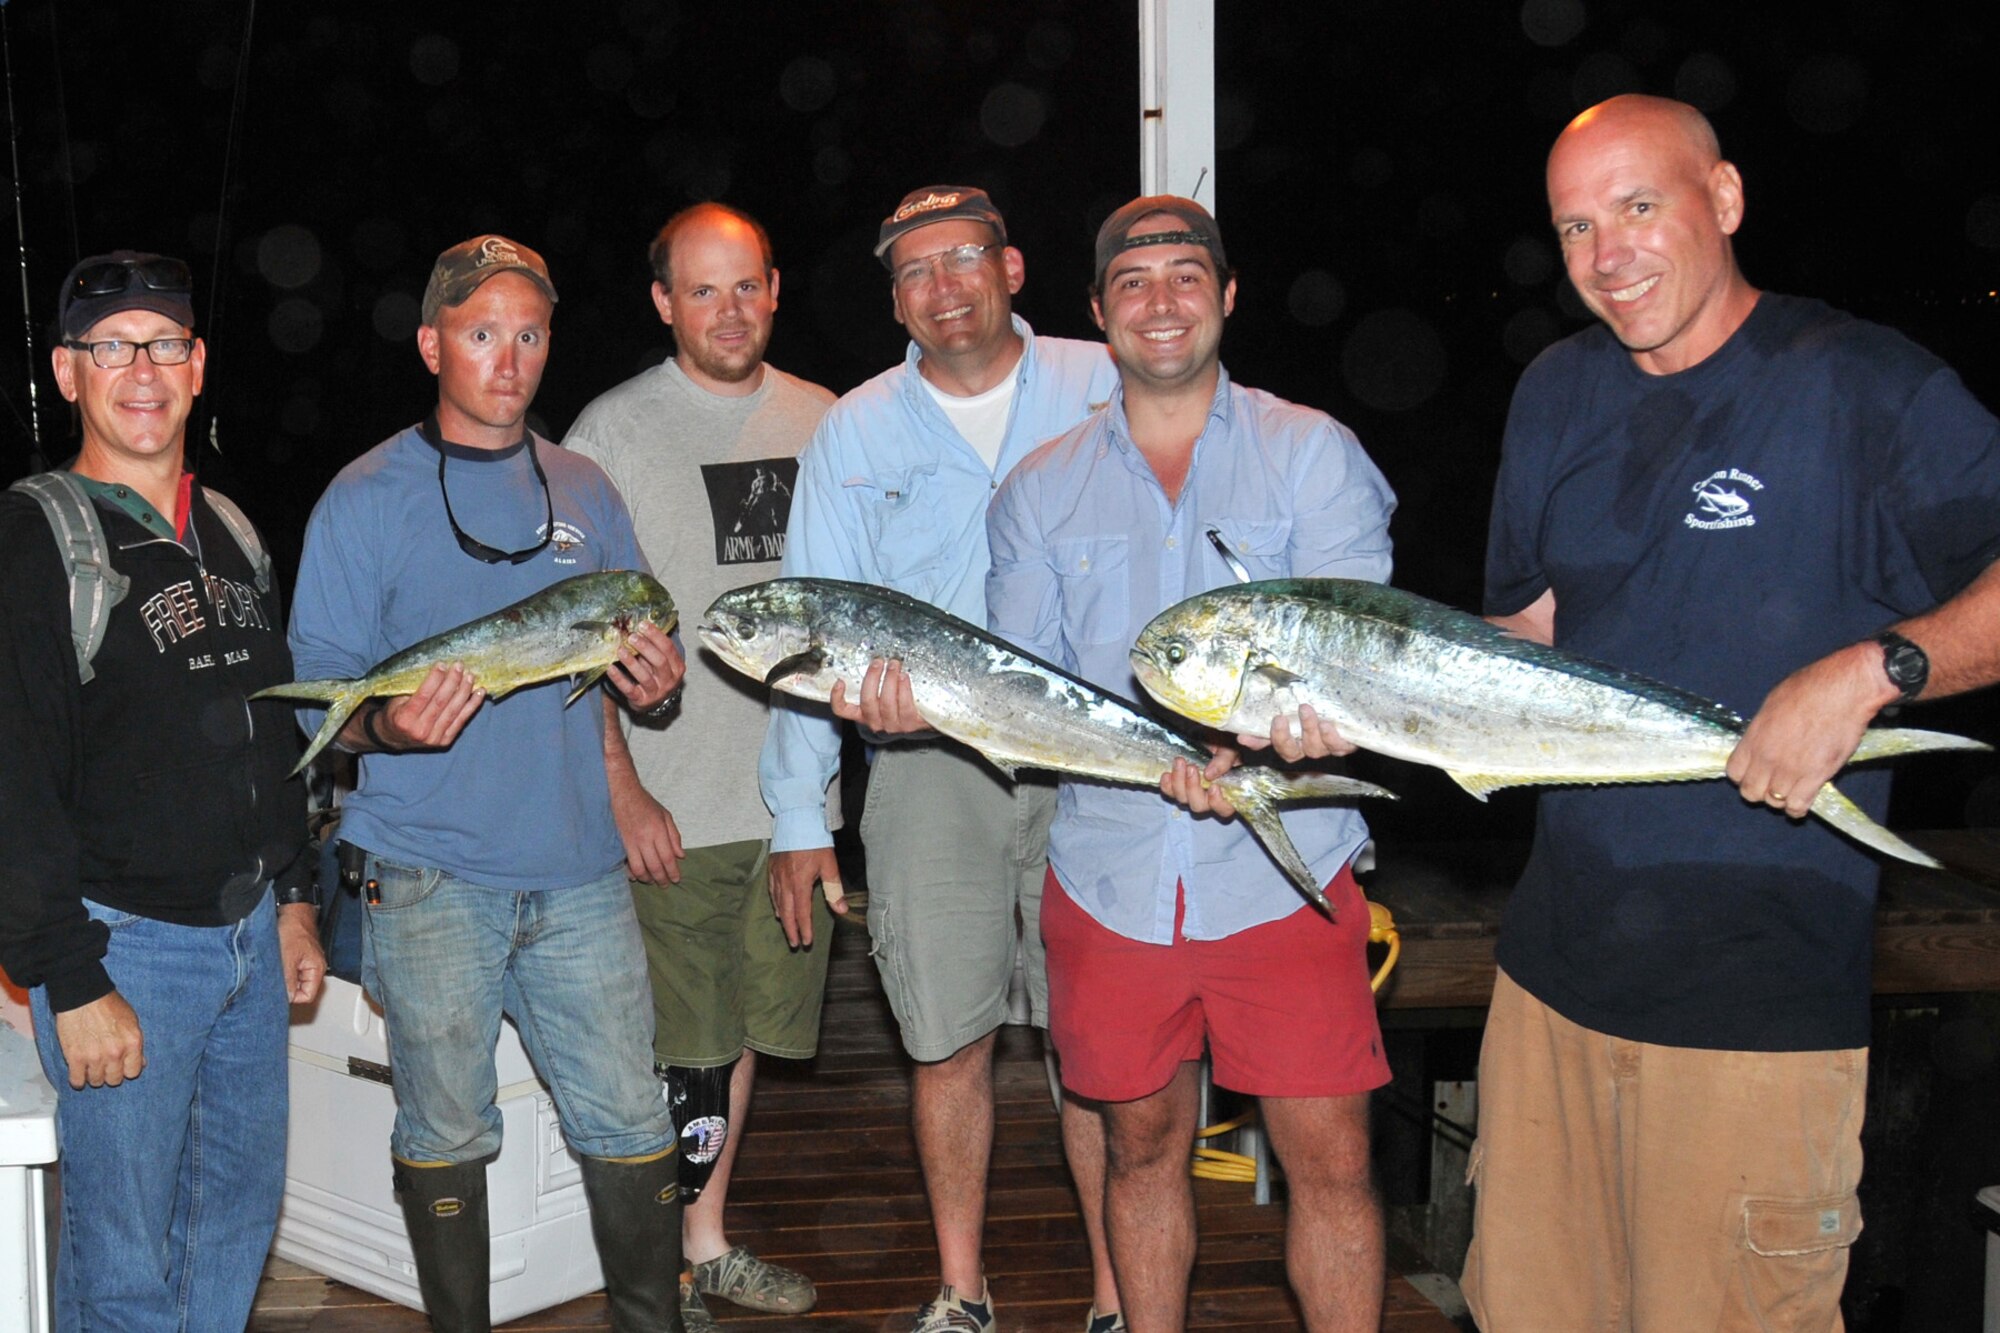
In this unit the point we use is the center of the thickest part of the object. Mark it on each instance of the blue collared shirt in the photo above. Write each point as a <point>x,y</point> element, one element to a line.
<point>890,493</point>
<point>1086,548</point>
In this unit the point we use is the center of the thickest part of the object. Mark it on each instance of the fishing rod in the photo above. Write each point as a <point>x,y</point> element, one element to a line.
<point>211,427</point>
<point>36,461</point>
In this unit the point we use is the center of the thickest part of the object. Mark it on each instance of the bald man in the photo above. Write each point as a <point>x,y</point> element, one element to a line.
<point>1771,503</point>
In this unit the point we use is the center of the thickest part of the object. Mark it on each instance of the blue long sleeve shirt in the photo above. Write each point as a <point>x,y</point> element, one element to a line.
<point>890,493</point>
<point>1086,548</point>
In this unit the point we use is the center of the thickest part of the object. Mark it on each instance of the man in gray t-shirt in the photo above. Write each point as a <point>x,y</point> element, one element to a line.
<point>704,448</point>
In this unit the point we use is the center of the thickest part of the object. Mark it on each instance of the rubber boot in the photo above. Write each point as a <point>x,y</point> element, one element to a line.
<point>444,1208</point>
<point>635,1217</point>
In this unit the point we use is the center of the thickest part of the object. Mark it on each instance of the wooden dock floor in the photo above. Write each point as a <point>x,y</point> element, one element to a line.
<point>827,1182</point>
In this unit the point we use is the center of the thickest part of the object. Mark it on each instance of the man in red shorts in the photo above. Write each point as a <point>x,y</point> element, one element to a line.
<point>1165,929</point>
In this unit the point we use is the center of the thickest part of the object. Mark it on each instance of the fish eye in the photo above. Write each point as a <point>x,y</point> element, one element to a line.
<point>746,628</point>
<point>1176,652</point>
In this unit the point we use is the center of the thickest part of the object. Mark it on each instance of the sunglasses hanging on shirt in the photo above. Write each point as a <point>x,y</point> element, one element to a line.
<point>470,544</point>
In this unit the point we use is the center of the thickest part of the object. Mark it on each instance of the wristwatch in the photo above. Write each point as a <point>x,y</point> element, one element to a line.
<point>1907,666</point>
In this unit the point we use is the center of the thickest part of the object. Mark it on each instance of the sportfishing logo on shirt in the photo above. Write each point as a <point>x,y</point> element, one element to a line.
<point>1722,500</point>
<point>749,504</point>
<point>566,539</point>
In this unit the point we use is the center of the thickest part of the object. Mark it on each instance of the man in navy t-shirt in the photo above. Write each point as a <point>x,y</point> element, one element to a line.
<point>1766,501</point>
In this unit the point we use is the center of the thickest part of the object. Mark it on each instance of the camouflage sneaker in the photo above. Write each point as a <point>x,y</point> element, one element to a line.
<point>1097,1323</point>
<point>741,1277</point>
<point>695,1317</point>
<point>948,1313</point>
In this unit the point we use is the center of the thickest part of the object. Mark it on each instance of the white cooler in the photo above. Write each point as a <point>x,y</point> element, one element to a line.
<point>340,1214</point>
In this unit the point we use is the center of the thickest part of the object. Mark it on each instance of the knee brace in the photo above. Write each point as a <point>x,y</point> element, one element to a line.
<point>698,1101</point>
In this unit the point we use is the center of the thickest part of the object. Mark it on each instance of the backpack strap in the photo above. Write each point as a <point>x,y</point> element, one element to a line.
<point>94,586</point>
<point>243,530</point>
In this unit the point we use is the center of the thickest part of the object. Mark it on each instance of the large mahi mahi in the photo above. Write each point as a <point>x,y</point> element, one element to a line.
<point>800,635</point>
<point>1408,677</point>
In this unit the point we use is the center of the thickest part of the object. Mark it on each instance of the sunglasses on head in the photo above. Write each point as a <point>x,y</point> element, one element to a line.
<point>115,276</point>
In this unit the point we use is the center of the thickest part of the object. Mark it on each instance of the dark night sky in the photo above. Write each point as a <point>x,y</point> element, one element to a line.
<point>1379,184</point>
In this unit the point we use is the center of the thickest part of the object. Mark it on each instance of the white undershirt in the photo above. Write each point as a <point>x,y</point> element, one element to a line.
<point>982,418</point>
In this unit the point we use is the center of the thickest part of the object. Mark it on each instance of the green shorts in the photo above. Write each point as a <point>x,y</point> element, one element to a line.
<point>723,976</point>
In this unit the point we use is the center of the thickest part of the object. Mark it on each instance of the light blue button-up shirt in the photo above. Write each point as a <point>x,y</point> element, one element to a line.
<point>890,493</point>
<point>1086,549</point>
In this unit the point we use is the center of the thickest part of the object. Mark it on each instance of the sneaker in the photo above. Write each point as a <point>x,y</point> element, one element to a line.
<point>1097,1323</point>
<point>949,1313</point>
<point>695,1317</point>
<point>741,1277</point>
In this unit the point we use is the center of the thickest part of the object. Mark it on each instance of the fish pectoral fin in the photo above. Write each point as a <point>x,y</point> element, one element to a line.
<point>1279,677</point>
<point>798,664</point>
<point>592,626</point>
<point>588,679</point>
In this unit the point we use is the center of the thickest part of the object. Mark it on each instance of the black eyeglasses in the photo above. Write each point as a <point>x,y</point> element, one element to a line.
<point>116,353</point>
<point>116,276</point>
<point>470,544</point>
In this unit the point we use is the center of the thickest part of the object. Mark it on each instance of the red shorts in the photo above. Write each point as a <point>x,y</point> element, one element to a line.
<point>1284,1007</point>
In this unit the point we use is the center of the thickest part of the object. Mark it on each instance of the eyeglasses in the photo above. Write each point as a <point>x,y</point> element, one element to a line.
<point>115,276</point>
<point>957,261</point>
<point>113,353</point>
<point>470,544</point>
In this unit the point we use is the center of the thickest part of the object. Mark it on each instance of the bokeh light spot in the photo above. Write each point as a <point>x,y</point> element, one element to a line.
<point>396,316</point>
<point>1393,361</point>
<point>1706,82</point>
<point>1529,261</point>
<point>288,256</point>
<point>296,325</point>
<point>1316,298</point>
<point>1552,22</point>
<point>1012,114</point>
<point>1827,94</point>
<point>434,60</point>
<point>807,84</point>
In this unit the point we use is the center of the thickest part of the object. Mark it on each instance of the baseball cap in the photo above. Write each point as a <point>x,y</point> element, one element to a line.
<point>124,280</point>
<point>1197,228</point>
<point>937,203</point>
<point>462,268</point>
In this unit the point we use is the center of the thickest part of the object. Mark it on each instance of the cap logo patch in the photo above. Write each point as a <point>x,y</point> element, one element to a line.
<point>925,205</point>
<point>494,250</point>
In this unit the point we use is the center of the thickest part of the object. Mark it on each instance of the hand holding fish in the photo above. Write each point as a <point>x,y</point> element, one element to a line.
<point>1195,788</point>
<point>1304,735</point>
<point>885,704</point>
<point>1808,727</point>
<point>648,669</point>
<point>429,719</point>
<point>794,879</point>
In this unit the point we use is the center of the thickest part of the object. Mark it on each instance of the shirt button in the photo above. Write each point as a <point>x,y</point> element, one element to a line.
<point>1172,542</point>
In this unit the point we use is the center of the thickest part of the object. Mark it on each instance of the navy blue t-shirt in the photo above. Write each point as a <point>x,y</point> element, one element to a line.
<point>1813,480</point>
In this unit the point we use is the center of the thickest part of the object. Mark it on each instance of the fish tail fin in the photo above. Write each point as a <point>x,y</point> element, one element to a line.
<point>1256,792</point>
<point>339,708</point>
<point>1848,817</point>
<point>588,679</point>
<point>1882,742</point>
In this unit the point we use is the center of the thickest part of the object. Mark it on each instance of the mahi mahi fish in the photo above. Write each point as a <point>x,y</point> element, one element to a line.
<point>801,635</point>
<point>572,628</point>
<point>1407,677</point>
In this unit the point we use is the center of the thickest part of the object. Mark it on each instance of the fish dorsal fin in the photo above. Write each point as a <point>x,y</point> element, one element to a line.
<point>803,663</point>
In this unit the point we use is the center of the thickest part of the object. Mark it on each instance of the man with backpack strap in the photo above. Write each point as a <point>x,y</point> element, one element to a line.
<point>145,818</point>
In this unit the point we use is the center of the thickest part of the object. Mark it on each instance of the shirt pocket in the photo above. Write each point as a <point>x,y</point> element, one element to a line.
<point>906,531</point>
<point>1096,578</point>
<point>1261,545</point>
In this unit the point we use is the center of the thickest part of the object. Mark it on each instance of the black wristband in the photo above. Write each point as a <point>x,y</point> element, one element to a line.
<point>368,726</point>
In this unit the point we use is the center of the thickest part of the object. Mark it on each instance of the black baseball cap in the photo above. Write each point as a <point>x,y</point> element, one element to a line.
<point>937,203</point>
<point>1197,228</point>
<point>124,280</point>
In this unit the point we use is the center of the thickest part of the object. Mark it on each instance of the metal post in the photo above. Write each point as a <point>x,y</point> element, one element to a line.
<point>1177,99</point>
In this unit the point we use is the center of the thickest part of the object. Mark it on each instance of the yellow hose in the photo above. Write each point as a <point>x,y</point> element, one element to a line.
<point>1218,1164</point>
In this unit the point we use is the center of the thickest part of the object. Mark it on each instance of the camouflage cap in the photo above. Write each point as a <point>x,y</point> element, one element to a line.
<point>461,269</point>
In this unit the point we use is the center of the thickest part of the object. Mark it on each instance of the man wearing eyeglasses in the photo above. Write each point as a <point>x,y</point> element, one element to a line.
<point>704,448</point>
<point>143,821</point>
<point>893,491</point>
<point>497,876</point>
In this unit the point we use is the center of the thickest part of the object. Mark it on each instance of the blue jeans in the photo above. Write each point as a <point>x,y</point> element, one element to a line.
<point>171,1181</point>
<point>445,958</point>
